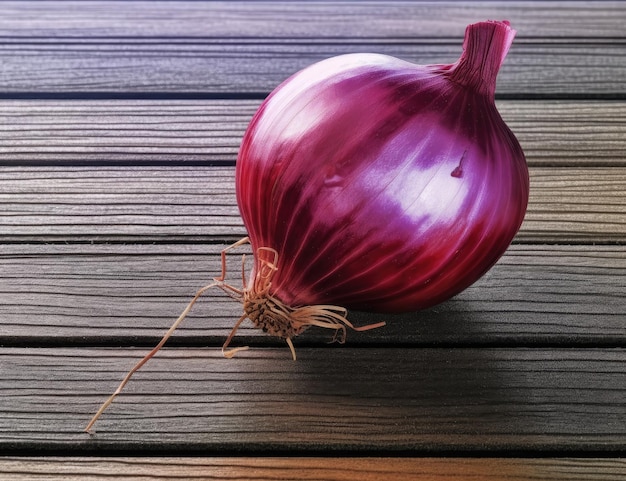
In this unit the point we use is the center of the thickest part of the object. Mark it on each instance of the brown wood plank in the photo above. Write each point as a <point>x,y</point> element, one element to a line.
<point>73,47</point>
<point>340,400</point>
<point>304,468</point>
<point>198,203</point>
<point>574,205</point>
<point>554,133</point>
<point>82,294</point>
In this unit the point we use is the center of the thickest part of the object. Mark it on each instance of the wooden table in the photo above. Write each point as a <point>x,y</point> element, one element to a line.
<point>119,128</point>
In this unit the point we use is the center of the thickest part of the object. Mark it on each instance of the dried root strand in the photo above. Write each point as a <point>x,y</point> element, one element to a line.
<point>276,318</point>
<point>264,310</point>
<point>148,356</point>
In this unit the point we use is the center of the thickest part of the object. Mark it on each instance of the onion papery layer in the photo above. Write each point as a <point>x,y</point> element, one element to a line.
<point>384,185</point>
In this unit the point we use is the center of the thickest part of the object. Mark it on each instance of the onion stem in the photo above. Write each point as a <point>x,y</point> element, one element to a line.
<point>484,49</point>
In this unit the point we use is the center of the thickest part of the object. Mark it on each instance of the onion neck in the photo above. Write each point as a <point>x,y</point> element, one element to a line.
<point>484,48</point>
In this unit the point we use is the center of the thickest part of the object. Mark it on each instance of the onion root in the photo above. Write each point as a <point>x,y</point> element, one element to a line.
<point>264,310</point>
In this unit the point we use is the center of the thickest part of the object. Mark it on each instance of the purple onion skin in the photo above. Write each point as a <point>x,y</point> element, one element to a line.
<point>383,185</point>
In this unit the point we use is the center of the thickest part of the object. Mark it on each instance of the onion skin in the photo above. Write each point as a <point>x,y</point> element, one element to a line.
<point>383,185</point>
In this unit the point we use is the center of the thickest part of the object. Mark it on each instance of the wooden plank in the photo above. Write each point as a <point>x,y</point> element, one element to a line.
<point>568,133</point>
<point>561,207</point>
<point>198,203</point>
<point>307,468</point>
<point>332,400</point>
<point>554,133</point>
<point>134,132</point>
<point>221,21</point>
<point>86,294</point>
<point>249,47</point>
<point>528,362</point>
<point>541,69</point>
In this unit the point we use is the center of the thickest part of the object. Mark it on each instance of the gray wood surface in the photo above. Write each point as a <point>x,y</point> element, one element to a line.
<point>185,203</point>
<point>568,133</point>
<point>119,128</point>
<point>97,71</point>
<point>367,400</point>
<point>223,20</point>
<point>535,295</point>
<point>249,47</point>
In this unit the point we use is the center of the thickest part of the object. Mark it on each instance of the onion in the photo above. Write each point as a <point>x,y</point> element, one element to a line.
<point>381,185</point>
<point>369,183</point>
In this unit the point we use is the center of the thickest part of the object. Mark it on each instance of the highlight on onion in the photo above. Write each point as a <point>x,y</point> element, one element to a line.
<point>370,183</point>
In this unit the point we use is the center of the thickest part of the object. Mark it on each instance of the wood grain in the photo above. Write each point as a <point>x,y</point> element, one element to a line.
<point>119,128</point>
<point>328,469</point>
<point>94,294</point>
<point>197,203</point>
<point>406,401</point>
<point>95,47</point>
<point>131,132</point>
<point>209,132</point>
<point>221,21</point>
<point>341,400</point>
<point>562,70</point>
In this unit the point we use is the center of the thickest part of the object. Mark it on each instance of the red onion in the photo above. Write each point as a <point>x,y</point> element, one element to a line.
<point>382,185</point>
<point>370,183</point>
